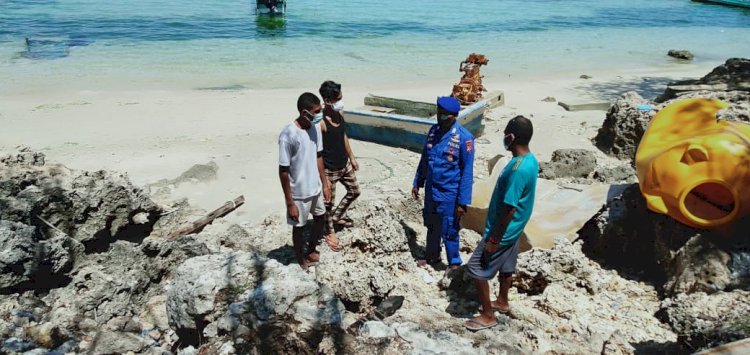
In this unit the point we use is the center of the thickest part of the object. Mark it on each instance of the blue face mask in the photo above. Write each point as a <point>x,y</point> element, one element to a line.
<point>317,118</point>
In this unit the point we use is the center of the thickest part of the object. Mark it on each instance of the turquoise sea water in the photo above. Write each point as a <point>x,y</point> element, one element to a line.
<point>191,43</point>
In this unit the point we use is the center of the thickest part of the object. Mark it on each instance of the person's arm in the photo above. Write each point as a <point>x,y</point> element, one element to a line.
<point>321,168</point>
<point>466,167</point>
<point>419,177</point>
<point>285,155</point>
<point>355,165</point>
<point>322,126</point>
<point>291,208</point>
<point>324,178</point>
<point>505,215</point>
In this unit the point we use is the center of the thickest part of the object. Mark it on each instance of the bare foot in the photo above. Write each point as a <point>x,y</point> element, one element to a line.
<point>502,307</point>
<point>425,262</point>
<point>332,242</point>
<point>498,306</point>
<point>344,222</point>
<point>313,257</point>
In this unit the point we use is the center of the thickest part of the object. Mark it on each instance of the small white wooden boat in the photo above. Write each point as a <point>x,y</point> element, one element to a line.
<point>404,123</point>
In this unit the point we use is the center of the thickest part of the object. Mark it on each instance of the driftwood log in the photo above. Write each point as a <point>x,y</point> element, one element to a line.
<point>198,225</point>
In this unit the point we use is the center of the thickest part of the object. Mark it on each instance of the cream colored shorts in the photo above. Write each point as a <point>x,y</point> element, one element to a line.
<point>312,204</point>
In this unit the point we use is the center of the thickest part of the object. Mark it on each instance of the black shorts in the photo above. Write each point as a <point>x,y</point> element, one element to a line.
<point>502,261</point>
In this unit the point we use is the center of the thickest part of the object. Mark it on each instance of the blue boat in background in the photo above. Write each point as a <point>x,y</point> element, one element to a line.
<point>405,123</point>
<point>270,7</point>
<point>736,3</point>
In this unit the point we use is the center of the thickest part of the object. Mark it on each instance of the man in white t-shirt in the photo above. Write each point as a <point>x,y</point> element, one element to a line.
<point>303,178</point>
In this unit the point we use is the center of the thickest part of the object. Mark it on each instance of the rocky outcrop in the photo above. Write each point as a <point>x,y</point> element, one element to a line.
<point>75,274</point>
<point>627,236</point>
<point>94,208</point>
<point>234,289</point>
<point>628,119</point>
<point>680,54</point>
<point>104,289</point>
<point>574,163</point>
<point>376,249</point>
<point>624,125</point>
<point>435,342</point>
<point>26,258</point>
<point>202,285</point>
<point>108,342</point>
<point>621,173</point>
<point>252,300</point>
<point>564,292</point>
<point>564,265</point>
<point>703,320</point>
<point>733,75</point>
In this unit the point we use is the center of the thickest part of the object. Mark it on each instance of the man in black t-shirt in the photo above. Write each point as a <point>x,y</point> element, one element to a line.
<point>338,159</point>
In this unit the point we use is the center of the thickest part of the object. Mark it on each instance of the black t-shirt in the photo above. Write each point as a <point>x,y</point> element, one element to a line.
<point>334,148</point>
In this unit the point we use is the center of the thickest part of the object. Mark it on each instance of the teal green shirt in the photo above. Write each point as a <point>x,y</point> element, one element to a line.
<point>515,187</point>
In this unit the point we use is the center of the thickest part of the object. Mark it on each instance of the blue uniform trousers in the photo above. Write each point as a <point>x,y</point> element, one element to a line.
<point>441,222</point>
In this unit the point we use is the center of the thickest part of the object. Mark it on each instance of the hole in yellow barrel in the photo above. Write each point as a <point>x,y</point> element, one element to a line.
<point>709,203</point>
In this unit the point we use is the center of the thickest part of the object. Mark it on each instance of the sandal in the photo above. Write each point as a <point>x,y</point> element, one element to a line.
<point>474,325</point>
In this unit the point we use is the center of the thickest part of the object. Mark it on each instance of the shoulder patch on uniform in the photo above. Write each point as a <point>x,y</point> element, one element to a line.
<point>469,145</point>
<point>517,164</point>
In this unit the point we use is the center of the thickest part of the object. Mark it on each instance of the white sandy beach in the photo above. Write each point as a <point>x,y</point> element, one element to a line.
<point>154,135</point>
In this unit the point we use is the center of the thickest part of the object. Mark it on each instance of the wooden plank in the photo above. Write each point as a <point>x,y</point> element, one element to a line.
<point>494,99</point>
<point>199,224</point>
<point>403,107</point>
<point>594,106</point>
<point>379,109</point>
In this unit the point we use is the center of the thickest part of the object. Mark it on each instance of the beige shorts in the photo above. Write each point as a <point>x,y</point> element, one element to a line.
<point>311,204</point>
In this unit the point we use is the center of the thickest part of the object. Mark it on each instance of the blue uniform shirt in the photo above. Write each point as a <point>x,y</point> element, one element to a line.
<point>446,168</point>
<point>515,187</point>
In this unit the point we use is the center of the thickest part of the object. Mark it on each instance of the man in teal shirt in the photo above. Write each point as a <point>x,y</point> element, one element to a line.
<point>510,210</point>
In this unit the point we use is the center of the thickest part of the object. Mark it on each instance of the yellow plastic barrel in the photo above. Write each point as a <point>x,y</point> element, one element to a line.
<point>694,167</point>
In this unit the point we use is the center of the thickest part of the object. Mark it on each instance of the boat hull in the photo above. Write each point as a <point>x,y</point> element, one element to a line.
<point>407,132</point>
<point>737,3</point>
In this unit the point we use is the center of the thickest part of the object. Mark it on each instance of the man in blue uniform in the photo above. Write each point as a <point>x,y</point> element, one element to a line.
<point>446,172</point>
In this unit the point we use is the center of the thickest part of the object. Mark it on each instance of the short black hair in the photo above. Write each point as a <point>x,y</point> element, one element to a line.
<point>329,90</point>
<point>522,128</point>
<point>306,101</point>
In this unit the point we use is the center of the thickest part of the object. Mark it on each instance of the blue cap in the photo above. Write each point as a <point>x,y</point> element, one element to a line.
<point>449,104</point>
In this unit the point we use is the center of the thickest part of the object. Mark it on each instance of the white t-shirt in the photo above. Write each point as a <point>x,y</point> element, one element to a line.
<point>298,149</point>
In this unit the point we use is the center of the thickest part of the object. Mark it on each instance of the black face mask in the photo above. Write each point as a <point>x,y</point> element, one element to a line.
<point>508,140</point>
<point>443,118</point>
